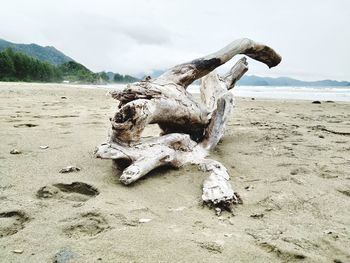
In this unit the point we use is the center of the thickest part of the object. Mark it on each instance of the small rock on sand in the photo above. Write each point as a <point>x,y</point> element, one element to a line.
<point>70,169</point>
<point>29,125</point>
<point>43,147</point>
<point>249,187</point>
<point>15,151</point>
<point>294,172</point>
<point>144,220</point>
<point>181,208</point>
<point>63,256</point>
<point>217,211</point>
<point>257,215</point>
<point>17,251</point>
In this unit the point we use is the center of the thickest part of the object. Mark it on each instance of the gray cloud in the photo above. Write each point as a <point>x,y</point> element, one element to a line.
<point>140,36</point>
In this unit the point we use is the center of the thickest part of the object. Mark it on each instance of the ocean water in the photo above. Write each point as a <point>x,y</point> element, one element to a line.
<point>289,93</point>
<point>286,93</point>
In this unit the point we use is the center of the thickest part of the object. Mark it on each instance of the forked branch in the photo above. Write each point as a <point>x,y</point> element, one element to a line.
<point>185,74</point>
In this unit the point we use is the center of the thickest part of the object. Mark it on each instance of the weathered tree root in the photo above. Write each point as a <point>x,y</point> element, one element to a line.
<point>190,129</point>
<point>174,150</point>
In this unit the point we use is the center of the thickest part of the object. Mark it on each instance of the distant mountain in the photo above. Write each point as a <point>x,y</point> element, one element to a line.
<point>48,54</point>
<point>266,81</point>
<point>110,75</point>
<point>154,74</point>
<point>284,81</point>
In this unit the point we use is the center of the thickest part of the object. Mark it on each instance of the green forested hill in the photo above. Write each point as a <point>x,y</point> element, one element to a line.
<point>48,54</point>
<point>17,66</point>
<point>76,72</point>
<point>118,78</point>
<point>22,62</point>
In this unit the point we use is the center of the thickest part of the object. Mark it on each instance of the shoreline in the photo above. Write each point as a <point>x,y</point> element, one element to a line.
<point>289,93</point>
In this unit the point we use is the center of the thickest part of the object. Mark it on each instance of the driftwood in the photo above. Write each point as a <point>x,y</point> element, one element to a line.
<point>189,128</point>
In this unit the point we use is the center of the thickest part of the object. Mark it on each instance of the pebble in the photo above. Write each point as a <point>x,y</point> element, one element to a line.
<point>17,251</point>
<point>294,172</point>
<point>177,209</point>
<point>249,187</point>
<point>43,147</point>
<point>231,221</point>
<point>144,220</point>
<point>70,169</point>
<point>63,256</point>
<point>15,151</point>
<point>257,215</point>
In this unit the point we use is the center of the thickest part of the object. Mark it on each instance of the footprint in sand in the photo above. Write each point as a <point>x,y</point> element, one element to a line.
<point>85,225</point>
<point>212,247</point>
<point>299,170</point>
<point>76,191</point>
<point>63,124</point>
<point>135,217</point>
<point>325,172</point>
<point>345,192</point>
<point>11,222</point>
<point>282,254</point>
<point>142,212</point>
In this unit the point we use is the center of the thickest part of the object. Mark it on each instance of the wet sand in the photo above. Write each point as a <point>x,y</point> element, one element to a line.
<point>288,160</point>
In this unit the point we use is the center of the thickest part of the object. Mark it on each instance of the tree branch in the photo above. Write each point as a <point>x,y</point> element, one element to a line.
<point>185,74</point>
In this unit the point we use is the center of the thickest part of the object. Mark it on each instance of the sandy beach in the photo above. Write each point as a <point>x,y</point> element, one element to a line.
<point>288,160</point>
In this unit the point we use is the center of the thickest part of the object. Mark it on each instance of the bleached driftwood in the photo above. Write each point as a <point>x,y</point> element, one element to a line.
<point>189,128</point>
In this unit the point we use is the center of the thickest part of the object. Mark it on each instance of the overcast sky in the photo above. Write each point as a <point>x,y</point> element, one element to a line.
<point>131,37</point>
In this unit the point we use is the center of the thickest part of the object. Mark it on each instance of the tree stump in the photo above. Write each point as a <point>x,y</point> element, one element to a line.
<point>190,129</point>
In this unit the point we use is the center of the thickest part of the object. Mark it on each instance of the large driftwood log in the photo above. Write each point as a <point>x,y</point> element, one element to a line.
<point>189,128</point>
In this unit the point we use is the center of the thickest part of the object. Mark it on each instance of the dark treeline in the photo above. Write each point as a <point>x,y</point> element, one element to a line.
<point>118,78</point>
<point>76,72</point>
<point>16,66</point>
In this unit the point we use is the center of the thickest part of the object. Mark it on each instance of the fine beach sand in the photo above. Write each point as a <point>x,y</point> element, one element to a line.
<point>292,174</point>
